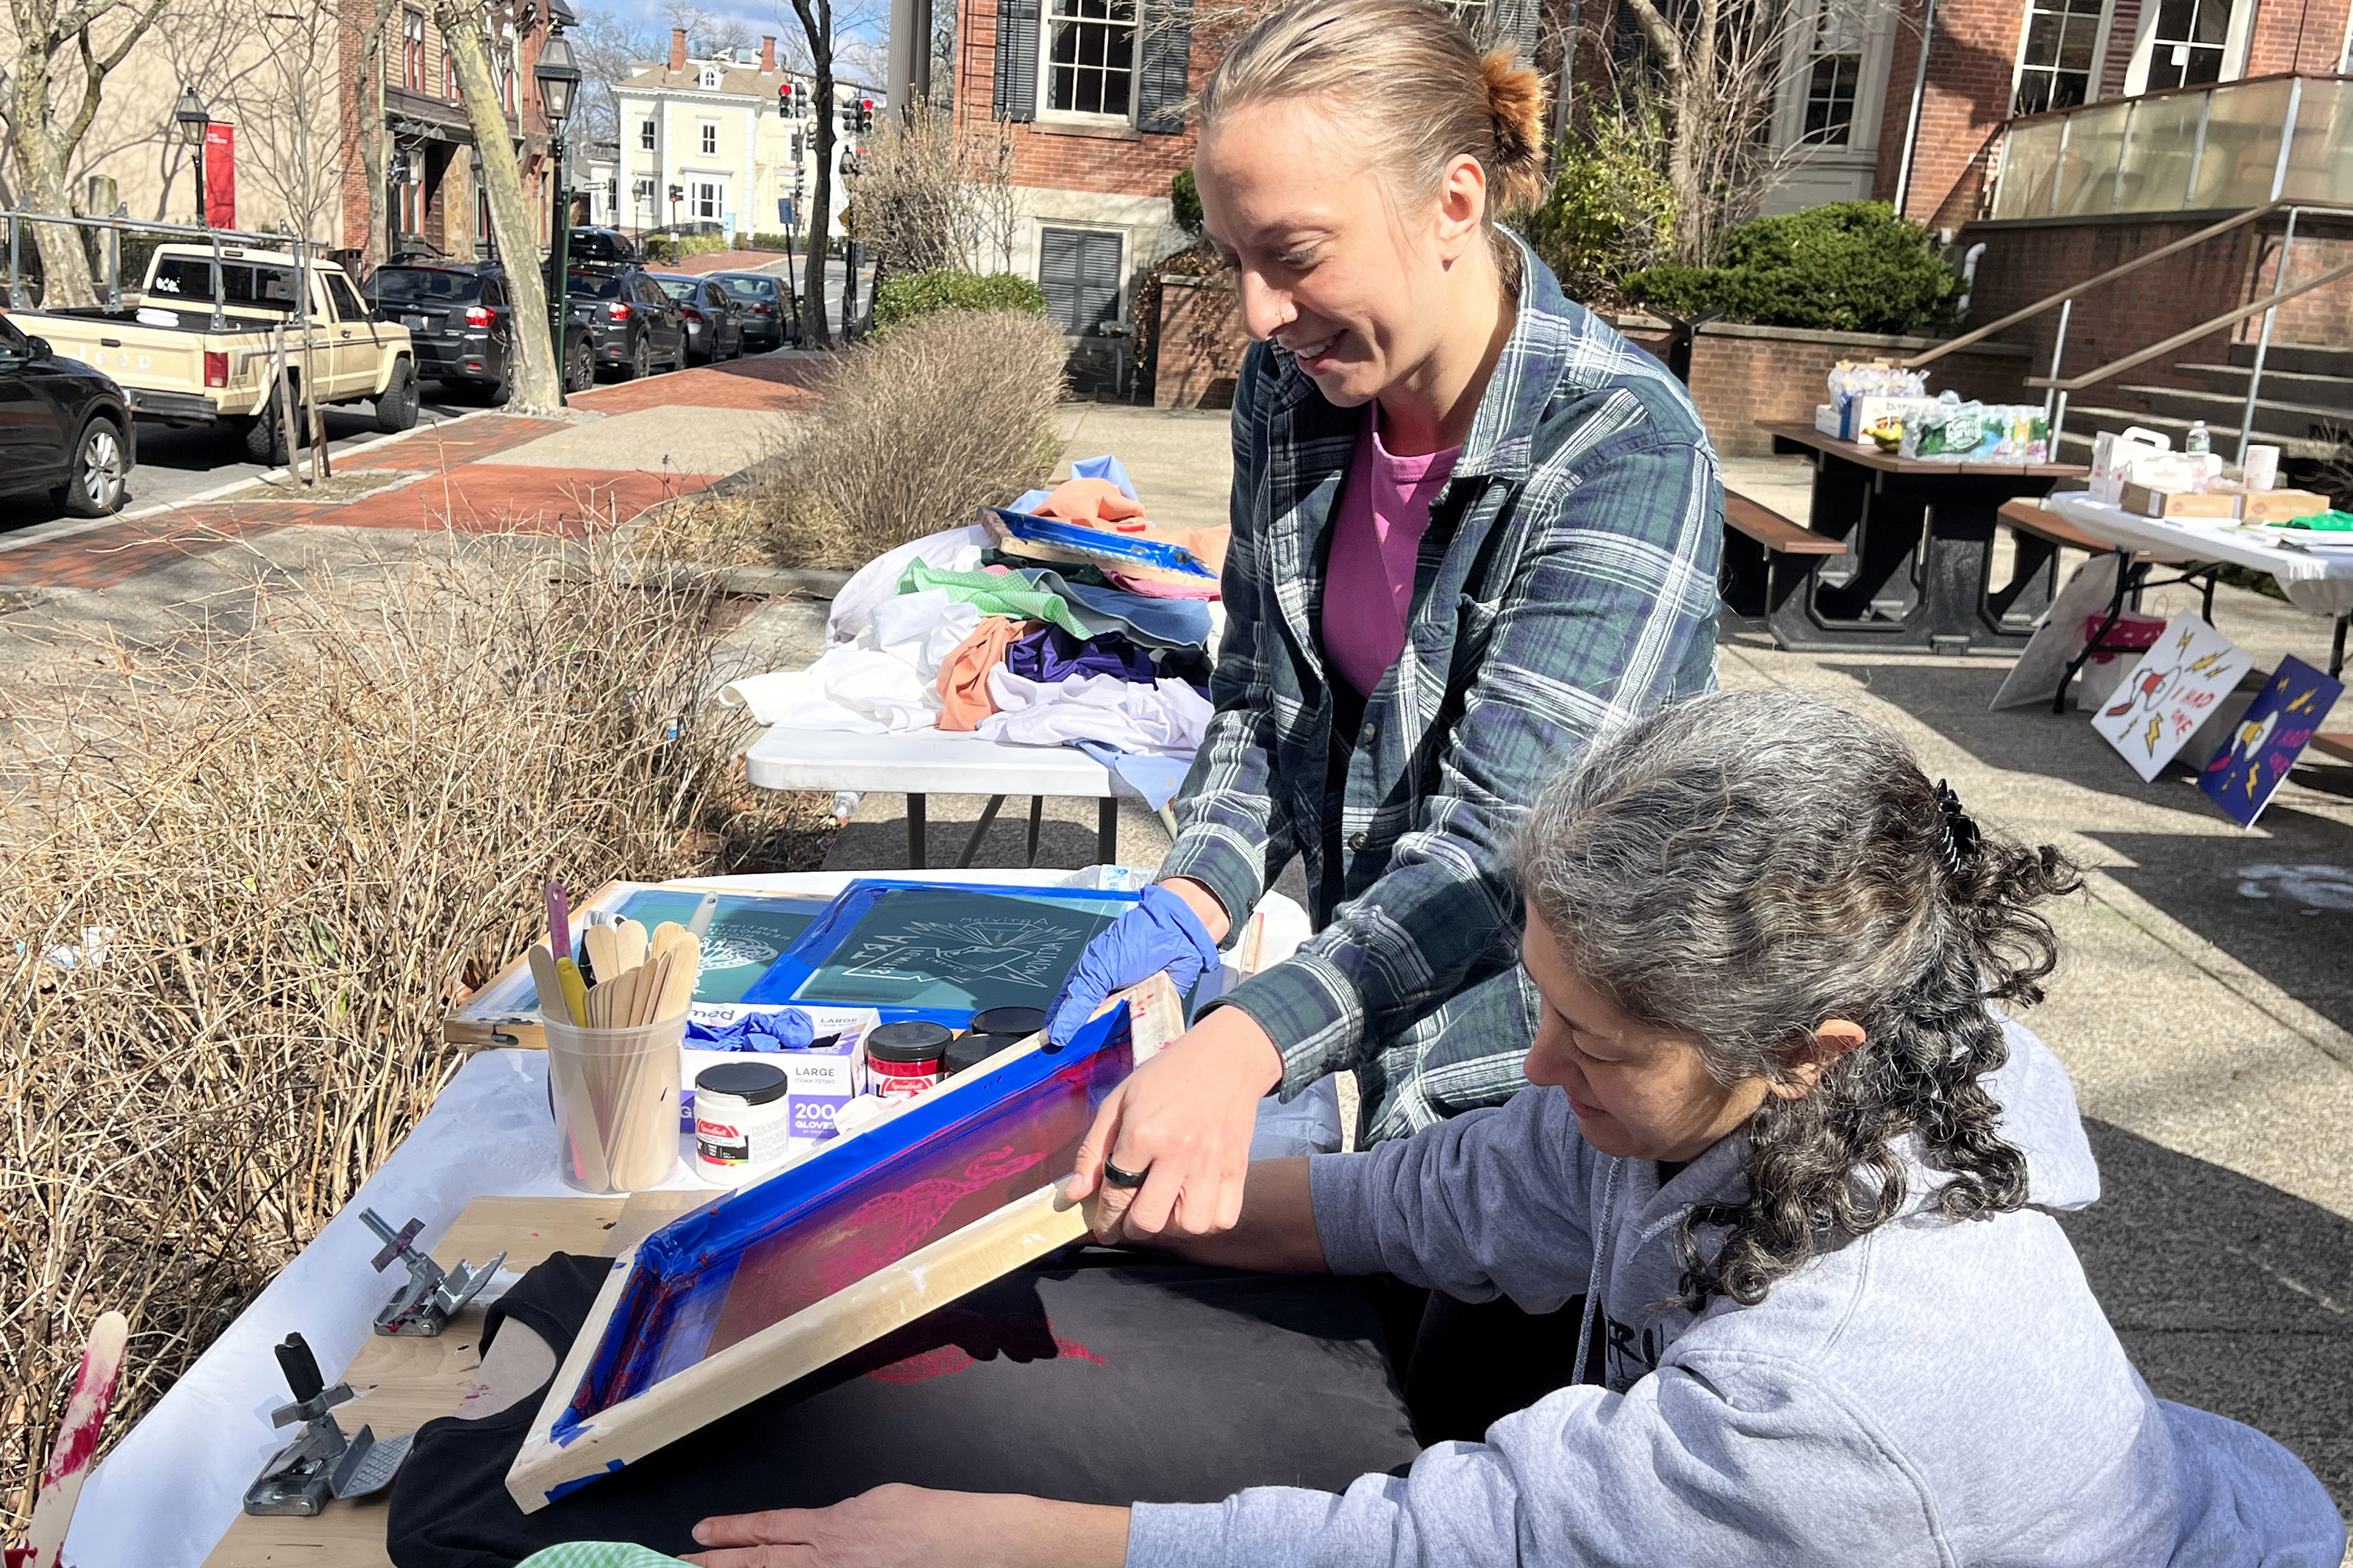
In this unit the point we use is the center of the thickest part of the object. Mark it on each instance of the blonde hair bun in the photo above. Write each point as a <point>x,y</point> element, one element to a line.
<point>1515,103</point>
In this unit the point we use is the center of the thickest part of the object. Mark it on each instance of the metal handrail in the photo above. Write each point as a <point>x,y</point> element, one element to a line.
<point>2183,339</point>
<point>2112,273</point>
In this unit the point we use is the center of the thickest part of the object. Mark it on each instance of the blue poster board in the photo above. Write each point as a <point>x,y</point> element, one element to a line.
<point>2243,775</point>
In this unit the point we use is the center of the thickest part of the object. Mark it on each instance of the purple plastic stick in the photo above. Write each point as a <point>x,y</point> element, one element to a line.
<point>559,929</point>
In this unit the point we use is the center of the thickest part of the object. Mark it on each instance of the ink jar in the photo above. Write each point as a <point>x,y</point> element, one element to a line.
<point>903,1059</point>
<point>967,1051</point>
<point>743,1120</point>
<point>1019,1022</point>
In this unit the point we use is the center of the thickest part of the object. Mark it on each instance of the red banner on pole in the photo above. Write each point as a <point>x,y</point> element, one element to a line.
<point>220,176</point>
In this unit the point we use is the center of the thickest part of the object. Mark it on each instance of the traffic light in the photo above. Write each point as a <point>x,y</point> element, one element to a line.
<point>784,101</point>
<point>677,195</point>
<point>865,115</point>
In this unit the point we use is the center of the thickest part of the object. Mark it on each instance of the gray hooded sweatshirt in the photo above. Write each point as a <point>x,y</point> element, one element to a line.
<point>1933,1395</point>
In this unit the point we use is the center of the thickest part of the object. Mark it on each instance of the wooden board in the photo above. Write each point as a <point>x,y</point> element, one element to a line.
<point>405,1383</point>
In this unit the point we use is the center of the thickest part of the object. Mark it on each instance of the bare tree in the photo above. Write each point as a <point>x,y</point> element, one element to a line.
<point>816,17</point>
<point>468,33</point>
<point>287,113</point>
<point>52,104</point>
<point>604,45</point>
<point>934,193</point>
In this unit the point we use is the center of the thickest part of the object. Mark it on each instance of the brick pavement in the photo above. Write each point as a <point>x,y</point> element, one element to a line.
<point>458,483</point>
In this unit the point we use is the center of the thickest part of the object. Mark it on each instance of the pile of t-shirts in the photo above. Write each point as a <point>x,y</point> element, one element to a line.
<point>947,633</point>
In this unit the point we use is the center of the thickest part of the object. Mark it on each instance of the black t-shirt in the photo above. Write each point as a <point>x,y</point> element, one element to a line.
<point>1092,1378</point>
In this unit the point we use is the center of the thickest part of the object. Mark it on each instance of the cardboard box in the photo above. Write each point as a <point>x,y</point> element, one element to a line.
<point>2114,455</point>
<point>2146,500</point>
<point>2279,506</point>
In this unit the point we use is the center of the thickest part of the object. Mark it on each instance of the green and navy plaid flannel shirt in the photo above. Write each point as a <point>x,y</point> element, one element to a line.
<point>1566,586</point>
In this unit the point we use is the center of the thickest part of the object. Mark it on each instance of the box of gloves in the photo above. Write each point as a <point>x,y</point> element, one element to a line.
<point>821,1076</point>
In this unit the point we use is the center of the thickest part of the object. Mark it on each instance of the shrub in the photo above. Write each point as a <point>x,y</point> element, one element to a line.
<point>275,857</point>
<point>918,430</point>
<point>1184,202</point>
<point>1852,266</point>
<point>905,296</point>
<point>662,249</point>
<point>1610,213</point>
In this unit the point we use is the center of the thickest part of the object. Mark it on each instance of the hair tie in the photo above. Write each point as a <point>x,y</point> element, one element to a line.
<point>1961,835</point>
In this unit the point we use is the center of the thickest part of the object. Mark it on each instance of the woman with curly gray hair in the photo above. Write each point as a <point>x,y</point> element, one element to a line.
<point>1803,1176</point>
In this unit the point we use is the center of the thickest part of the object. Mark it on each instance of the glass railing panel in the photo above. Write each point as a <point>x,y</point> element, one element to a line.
<point>2242,143</point>
<point>2030,155</point>
<point>2320,158</point>
<point>2087,168</point>
<point>2158,151</point>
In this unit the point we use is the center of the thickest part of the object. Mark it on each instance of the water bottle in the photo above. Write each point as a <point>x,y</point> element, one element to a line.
<point>2198,443</point>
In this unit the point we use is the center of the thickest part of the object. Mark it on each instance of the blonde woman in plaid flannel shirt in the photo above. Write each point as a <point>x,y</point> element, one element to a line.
<point>1353,155</point>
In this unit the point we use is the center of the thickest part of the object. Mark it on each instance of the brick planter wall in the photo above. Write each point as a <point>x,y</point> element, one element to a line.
<point>1741,374</point>
<point>1197,344</point>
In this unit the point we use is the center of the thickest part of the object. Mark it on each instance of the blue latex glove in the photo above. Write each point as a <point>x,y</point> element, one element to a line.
<point>1160,933</point>
<point>788,1029</point>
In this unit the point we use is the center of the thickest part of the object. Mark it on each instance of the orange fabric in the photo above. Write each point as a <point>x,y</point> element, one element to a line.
<point>1095,502</point>
<point>963,674</point>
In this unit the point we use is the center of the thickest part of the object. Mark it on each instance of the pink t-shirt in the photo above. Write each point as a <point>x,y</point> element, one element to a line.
<point>1368,592</point>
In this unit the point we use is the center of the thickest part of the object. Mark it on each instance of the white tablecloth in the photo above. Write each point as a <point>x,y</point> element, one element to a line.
<point>163,1498</point>
<point>2322,585</point>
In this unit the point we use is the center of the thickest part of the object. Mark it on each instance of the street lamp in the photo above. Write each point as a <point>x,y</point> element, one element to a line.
<point>557,77</point>
<point>195,120</point>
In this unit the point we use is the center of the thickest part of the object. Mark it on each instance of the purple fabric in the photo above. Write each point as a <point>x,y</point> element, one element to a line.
<point>1050,653</point>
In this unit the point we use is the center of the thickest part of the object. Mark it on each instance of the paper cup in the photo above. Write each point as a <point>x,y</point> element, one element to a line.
<point>2263,468</point>
<point>614,1096</point>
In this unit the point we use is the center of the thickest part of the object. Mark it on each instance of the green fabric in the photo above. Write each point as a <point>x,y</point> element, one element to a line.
<point>994,594</point>
<point>597,1554</point>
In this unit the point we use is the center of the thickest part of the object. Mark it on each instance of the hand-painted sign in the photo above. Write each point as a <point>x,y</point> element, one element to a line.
<point>2172,691</point>
<point>2244,775</point>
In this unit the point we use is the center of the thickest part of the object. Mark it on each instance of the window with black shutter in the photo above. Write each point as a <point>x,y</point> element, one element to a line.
<point>1016,96</point>
<point>1161,92</point>
<point>1079,270</point>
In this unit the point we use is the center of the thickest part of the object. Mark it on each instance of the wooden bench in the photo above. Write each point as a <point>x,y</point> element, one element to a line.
<point>1767,562</point>
<point>2032,517</point>
<point>2339,746</point>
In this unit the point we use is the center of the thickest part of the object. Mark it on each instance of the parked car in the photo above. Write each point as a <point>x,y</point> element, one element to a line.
<point>64,428</point>
<point>769,320</point>
<point>186,358</point>
<point>714,327</point>
<point>602,246</point>
<point>632,325</point>
<point>461,320</point>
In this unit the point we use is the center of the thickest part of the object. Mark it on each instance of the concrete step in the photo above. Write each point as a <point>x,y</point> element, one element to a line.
<point>2084,421</point>
<point>2314,391</point>
<point>2274,417</point>
<point>2306,359</point>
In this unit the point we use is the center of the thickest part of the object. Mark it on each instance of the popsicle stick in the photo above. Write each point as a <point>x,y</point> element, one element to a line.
<point>544,975</point>
<point>603,948</point>
<point>575,991</point>
<point>625,997</point>
<point>666,932</point>
<point>632,940</point>
<point>652,988</point>
<point>559,922</point>
<point>678,982</point>
<point>77,1444</point>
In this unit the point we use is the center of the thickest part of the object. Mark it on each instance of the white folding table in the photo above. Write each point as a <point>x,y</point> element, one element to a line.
<point>917,762</point>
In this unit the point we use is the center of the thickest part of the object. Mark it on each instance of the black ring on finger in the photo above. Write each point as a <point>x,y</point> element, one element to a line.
<point>1119,1178</point>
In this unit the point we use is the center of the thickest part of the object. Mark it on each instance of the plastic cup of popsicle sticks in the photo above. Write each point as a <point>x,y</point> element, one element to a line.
<point>615,1094</point>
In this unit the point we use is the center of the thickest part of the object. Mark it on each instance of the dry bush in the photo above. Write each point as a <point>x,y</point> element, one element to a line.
<point>243,878</point>
<point>916,432</point>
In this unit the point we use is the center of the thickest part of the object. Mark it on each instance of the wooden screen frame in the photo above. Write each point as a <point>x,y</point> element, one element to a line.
<point>546,1468</point>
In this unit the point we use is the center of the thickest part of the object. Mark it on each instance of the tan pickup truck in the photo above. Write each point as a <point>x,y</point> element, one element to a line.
<point>190,348</point>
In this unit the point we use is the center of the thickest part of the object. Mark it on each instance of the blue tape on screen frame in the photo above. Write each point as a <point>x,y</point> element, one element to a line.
<point>795,967</point>
<point>683,1272</point>
<point>1101,545</point>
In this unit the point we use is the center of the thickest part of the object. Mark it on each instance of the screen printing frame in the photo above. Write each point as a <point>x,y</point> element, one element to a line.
<point>562,1452</point>
<point>813,950</point>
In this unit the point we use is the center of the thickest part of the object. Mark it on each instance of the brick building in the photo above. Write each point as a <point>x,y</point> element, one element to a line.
<point>399,92</point>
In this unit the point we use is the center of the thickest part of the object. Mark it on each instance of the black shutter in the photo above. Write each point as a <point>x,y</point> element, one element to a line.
<point>1079,270</point>
<point>1017,60</point>
<point>1168,66</point>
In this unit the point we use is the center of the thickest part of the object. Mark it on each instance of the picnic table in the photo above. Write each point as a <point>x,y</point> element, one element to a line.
<point>1916,541</point>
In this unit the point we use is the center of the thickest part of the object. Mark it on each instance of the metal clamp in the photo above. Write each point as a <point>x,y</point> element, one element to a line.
<point>320,1463</point>
<point>423,1306</point>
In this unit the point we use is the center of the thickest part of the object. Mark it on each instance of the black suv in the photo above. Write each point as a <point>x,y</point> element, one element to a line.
<point>462,323</point>
<point>602,247</point>
<point>632,325</point>
<point>766,301</point>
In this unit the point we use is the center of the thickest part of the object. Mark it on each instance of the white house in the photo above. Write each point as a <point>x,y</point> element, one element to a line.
<point>705,142</point>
